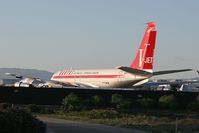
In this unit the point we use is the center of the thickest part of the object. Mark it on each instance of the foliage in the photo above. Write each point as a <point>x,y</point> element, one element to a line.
<point>157,122</point>
<point>116,98</point>
<point>194,105</point>
<point>126,103</point>
<point>197,99</point>
<point>146,102</point>
<point>168,101</point>
<point>72,103</point>
<point>4,106</point>
<point>118,101</point>
<point>97,101</point>
<point>19,121</point>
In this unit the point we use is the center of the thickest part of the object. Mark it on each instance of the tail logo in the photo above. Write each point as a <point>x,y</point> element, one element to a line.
<point>147,60</point>
<point>145,56</point>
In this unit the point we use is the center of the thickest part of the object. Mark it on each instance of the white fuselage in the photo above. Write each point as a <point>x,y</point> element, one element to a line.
<point>136,74</point>
<point>109,78</point>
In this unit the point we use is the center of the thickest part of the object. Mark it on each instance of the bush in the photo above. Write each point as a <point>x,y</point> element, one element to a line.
<point>97,101</point>
<point>116,100</point>
<point>197,99</point>
<point>119,102</point>
<point>4,106</point>
<point>168,101</point>
<point>194,105</point>
<point>72,103</point>
<point>126,103</point>
<point>146,102</point>
<point>19,121</point>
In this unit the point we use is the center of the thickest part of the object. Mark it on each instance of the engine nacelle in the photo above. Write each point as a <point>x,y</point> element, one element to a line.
<point>21,84</point>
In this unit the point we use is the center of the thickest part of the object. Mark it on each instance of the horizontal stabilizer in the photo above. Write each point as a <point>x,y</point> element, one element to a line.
<point>135,71</point>
<point>170,71</point>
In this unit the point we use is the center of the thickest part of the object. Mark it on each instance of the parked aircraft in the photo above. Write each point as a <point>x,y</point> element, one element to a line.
<point>26,81</point>
<point>23,82</point>
<point>174,85</point>
<point>136,74</point>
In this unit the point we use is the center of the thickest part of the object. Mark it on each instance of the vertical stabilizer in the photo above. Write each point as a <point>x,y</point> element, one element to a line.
<point>145,55</point>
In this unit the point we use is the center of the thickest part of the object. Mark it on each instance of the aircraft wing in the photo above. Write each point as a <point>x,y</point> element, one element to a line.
<point>170,71</point>
<point>75,84</point>
<point>82,84</point>
<point>62,83</point>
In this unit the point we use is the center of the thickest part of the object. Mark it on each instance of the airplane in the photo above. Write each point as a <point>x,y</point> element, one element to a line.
<point>171,85</point>
<point>27,81</point>
<point>192,85</point>
<point>136,74</point>
<point>24,81</point>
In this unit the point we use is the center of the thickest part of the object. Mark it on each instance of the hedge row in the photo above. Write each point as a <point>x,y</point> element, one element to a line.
<point>73,102</point>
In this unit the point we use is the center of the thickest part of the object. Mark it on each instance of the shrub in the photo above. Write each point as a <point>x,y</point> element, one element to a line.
<point>116,100</point>
<point>168,101</point>
<point>120,102</point>
<point>197,99</point>
<point>19,121</point>
<point>146,102</point>
<point>72,102</point>
<point>126,103</point>
<point>4,106</point>
<point>97,101</point>
<point>194,105</point>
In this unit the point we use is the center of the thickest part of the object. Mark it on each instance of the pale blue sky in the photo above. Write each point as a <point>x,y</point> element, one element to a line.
<point>59,34</point>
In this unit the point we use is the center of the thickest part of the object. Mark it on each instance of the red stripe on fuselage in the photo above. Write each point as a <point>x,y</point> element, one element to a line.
<point>86,76</point>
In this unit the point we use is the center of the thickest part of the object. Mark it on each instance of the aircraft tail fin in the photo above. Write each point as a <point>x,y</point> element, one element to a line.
<point>145,55</point>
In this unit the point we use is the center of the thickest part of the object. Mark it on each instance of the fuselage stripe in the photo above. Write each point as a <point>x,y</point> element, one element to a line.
<point>86,76</point>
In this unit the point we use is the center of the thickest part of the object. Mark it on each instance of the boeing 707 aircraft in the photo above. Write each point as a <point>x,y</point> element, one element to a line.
<point>136,74</point>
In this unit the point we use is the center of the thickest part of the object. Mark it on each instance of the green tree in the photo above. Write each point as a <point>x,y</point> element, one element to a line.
<point>72,102</point>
